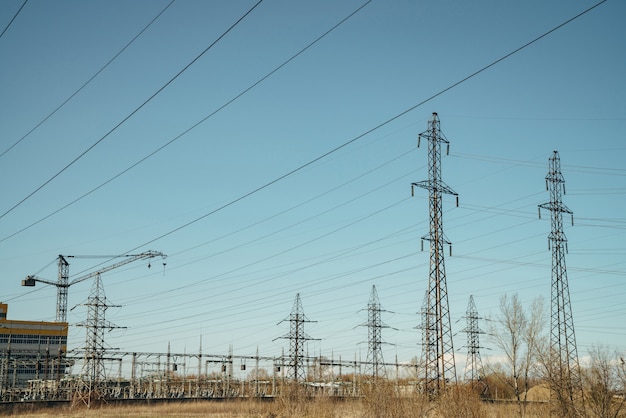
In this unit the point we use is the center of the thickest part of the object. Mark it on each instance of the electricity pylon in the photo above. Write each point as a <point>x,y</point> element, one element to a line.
<point>375,363</point>
<point>93,371</point>
<point>564,366</point>
<point>297,339</point>
<point>438,358</point>
<point>428,336</point>
<point>474,365</point>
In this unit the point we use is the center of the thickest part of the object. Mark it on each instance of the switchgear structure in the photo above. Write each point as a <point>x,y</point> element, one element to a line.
<point>565,369</point>
<point>438,351</point>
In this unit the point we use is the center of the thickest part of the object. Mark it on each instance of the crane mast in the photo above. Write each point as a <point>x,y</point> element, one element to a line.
<point>62,288</point>
<point>62,284</point>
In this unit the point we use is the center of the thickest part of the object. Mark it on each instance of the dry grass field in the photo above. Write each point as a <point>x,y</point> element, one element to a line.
<point>378,403</point>
<point>310,409</point>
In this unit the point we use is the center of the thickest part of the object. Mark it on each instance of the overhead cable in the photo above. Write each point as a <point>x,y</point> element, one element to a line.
<point>188,129</point>
<point>88,81</point>
<point>13,18</point>
<point>362,135</point>
<point>131,114</point>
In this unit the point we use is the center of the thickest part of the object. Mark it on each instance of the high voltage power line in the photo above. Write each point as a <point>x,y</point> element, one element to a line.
<point>369,131</point>
<point>484,68</point>
<point>242,93</point>
<point>70,97</point>
<point>195,125</point>
<point>535,164</point>
<point>13,18</point>
<point>131,114</point>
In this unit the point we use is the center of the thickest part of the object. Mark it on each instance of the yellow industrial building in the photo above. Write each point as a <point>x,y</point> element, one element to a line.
<point>30,350</point>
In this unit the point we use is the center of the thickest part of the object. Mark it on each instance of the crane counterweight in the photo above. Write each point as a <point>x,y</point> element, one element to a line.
<point>29,281</point>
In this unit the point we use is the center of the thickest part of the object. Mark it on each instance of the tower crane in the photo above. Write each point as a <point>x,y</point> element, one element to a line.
<point>62,284</point>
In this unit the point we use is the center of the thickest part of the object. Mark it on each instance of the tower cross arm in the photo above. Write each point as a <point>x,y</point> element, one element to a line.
<point>556,207</point>
<point>439,186</point>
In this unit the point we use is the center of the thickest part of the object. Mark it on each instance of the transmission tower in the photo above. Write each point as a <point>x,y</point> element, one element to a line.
<point>474,365</point>
<point>375,363</point>
<point>438,358</point>
<point>93,371</point>
<point>428,334</point>
<point>565,368</point>
<point>297,339</point>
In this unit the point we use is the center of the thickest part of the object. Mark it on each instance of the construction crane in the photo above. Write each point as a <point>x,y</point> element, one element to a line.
<point>62,284</point>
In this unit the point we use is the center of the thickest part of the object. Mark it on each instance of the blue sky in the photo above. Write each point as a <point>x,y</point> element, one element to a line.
<point>340,225</point>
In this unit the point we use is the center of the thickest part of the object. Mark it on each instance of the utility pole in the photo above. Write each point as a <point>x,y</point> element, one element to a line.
<point>474,365</point>
<point>564,366</point>
<point>297,338</point>
<point>438,358</point>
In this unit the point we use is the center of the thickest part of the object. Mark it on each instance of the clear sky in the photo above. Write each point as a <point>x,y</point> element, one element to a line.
<point>342,223</point>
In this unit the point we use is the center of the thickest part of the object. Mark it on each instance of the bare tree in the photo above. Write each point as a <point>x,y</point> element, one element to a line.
<point>604,383</point>
<point>519,335</point>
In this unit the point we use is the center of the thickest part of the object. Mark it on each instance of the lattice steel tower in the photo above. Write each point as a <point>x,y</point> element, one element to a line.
<point>428,334</point>
<point>297,339</point>
<point>375,366</point>
<point>93,371</point>
<point>565,368</point>
<point>438,358</point>
<point>474,365</point>
<point>62,289</point>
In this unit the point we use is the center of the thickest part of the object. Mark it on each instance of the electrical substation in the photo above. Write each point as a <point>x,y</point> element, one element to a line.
<point>346,209</point>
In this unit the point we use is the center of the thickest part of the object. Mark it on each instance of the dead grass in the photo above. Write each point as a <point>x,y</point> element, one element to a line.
<point>381,402</point>
<point>500,410</point>
<point>230,409</point>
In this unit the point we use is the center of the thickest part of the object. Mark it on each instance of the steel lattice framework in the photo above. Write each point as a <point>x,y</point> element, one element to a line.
<point>564,365</point>
<point>297,339</point>
<point>438,356</point>
<point>474,365</point>
<point>427,332</point>
<point>93,372</point>
<point>62,289</point>
<point>375,361</point>
<point>62,284</point>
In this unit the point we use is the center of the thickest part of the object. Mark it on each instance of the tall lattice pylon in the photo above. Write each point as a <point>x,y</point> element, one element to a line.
<point>473,365</point>
<point>375,365</point>
<point>437,358</point>
<point>93,370</point>
<point>428,336</point>
<point>297,340</point>
<point>564,368</point>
